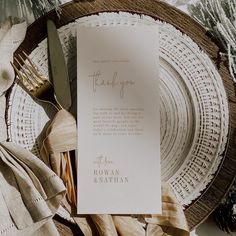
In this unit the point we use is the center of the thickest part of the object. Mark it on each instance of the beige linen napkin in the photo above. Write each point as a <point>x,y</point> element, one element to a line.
<point>30,192</point>
<point>61,137</point>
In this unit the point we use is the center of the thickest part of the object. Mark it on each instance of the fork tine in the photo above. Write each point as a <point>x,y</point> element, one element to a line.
<point>30,61</point>
<point>34,68</point>
<point>22,78</point>
<point>26,78</point>
<point>17,71</point>
<point>31,71</point>
<point>25,75</point>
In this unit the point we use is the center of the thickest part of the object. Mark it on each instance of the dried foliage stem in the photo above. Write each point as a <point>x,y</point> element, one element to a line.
<point>219,17</point>
<point>28,9</point>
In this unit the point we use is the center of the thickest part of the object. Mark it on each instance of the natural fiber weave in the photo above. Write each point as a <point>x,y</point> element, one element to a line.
<point>194,108</point>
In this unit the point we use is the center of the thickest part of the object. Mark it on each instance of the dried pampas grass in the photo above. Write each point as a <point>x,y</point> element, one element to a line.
<point>219,17</point>
<point>27,9</point>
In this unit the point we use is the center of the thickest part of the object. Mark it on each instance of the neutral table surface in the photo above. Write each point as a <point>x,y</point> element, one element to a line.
<point>207,228</point>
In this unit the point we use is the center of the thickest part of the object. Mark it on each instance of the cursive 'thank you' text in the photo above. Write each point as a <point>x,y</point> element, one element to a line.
<point>98,81</point>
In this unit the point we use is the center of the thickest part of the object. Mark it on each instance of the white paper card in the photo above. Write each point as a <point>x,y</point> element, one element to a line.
<point>118,120</point>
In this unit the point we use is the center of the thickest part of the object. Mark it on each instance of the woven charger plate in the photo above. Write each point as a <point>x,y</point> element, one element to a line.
<point>194,109</point>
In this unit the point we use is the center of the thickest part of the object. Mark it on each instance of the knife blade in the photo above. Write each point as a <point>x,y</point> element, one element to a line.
<point>61,84</point>
<point>58,68</point>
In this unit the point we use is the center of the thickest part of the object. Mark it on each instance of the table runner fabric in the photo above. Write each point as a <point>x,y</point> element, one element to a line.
<point>30,192</point>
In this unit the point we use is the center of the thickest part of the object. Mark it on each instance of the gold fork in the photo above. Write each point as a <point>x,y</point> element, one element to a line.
<point>39,87</point>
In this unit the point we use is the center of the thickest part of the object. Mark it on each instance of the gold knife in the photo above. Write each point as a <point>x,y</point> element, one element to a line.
<point>61,83</point>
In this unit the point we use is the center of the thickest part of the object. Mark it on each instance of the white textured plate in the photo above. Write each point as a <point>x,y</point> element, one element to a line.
<point>194,109</point>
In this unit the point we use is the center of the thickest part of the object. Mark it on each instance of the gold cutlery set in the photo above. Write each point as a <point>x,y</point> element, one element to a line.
<point>57,93</point>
